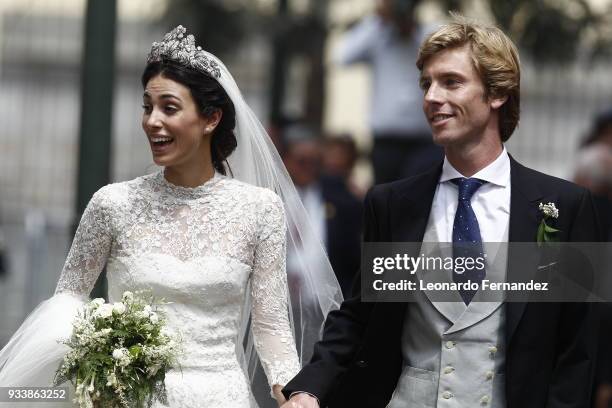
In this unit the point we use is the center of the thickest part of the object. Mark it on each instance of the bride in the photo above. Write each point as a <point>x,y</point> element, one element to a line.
<point>207,233</point>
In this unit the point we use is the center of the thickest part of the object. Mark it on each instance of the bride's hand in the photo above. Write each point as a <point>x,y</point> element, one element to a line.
<point>280,398</point>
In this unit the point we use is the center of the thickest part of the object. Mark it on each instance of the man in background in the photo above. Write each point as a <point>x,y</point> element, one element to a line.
<point>388,42</point>
<point>340,156</point>
<point>594,172</point>
<point>334,211</point>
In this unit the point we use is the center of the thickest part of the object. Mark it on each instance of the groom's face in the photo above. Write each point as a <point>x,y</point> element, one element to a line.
<point>454,100</point>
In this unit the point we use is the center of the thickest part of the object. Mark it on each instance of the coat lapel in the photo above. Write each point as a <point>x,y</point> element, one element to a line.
<point>481,307</point>
<point>524,200</point>
<point>409,217</point>
<point>453,309</point>
<point>408,214</point>
<point>410,211</point>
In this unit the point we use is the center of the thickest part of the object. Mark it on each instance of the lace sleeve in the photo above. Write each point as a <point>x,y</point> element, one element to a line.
<point>90,248</point>
<point>271,329</point>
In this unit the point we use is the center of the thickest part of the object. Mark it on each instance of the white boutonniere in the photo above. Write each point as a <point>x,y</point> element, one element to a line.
<point>546,233</point>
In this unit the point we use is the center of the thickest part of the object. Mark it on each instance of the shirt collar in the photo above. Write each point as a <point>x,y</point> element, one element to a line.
<point>497,172</point>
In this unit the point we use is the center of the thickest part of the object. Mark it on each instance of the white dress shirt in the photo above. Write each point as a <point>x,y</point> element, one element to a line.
<point>491,202</point>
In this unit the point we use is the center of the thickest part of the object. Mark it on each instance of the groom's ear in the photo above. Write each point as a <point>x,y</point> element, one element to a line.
<point>497,102</point>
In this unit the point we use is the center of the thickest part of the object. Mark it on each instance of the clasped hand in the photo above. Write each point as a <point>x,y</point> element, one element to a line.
<point>301,401</point>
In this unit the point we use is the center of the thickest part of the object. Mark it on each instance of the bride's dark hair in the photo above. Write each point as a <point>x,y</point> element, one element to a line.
<point>209,96</point>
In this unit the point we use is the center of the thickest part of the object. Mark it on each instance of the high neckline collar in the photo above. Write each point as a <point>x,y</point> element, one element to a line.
<point>187,192</point>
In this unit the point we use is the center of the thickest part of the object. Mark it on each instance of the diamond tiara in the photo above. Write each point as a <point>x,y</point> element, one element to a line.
<point>178,47</point>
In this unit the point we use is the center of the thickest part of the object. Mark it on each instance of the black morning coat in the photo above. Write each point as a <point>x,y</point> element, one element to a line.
<point>551,347</point>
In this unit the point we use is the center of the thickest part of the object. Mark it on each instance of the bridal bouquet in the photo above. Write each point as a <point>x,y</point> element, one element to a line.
<point>119,353</point>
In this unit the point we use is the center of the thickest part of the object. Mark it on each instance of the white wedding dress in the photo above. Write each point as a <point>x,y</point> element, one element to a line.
<point>205,250</point>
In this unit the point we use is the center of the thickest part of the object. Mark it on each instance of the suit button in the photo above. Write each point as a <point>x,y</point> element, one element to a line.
<point>450,345</point>
<point>448,369</point>
<point>447,395</point>
<point>493,350</point>
<point>484,400</point>
<point>490,375</point>
<point>361,364</point>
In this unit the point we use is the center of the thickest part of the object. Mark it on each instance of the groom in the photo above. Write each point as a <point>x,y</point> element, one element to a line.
<point>461,354</point>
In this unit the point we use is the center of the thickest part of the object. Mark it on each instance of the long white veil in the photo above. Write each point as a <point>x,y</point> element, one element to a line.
<point>315,291</point>
<point>33,354</point>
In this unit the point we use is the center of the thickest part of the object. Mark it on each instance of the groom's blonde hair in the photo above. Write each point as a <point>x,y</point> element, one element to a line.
<point>494,56</point>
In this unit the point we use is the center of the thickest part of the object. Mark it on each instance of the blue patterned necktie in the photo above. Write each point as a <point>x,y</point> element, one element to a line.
<point>467,242</point>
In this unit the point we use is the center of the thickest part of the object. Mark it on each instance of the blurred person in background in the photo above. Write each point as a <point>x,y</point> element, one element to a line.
<point>594,172</point>
<point>602,129</point>
<point>340,155</point>
<point>388,42</point>
<point>334,211</point>
<point>207,232</point>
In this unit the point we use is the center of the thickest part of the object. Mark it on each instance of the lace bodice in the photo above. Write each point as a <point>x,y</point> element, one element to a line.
<point>202,249</point>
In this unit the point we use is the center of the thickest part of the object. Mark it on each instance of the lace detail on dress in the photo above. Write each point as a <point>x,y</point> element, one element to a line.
<point>90,248</point>
<point>269,293</point>
<point>198,248</point>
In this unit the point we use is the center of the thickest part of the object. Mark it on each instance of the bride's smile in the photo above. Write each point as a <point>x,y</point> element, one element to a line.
<point>179,135</point>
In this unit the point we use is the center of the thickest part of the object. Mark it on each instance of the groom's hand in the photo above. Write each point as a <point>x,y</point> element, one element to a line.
<point>301,400</point>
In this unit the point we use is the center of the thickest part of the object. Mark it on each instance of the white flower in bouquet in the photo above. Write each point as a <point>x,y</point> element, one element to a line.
<point>105,332</point>
<point>119,353</point>
<point>111,379</point>
<point>122,355</point>
<point>96,303</point>
<point>105,311</point>
<point>127,296</point>
<point>118,308</point>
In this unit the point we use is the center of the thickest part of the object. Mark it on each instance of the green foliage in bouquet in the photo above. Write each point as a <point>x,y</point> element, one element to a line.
<point>119,353</point>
